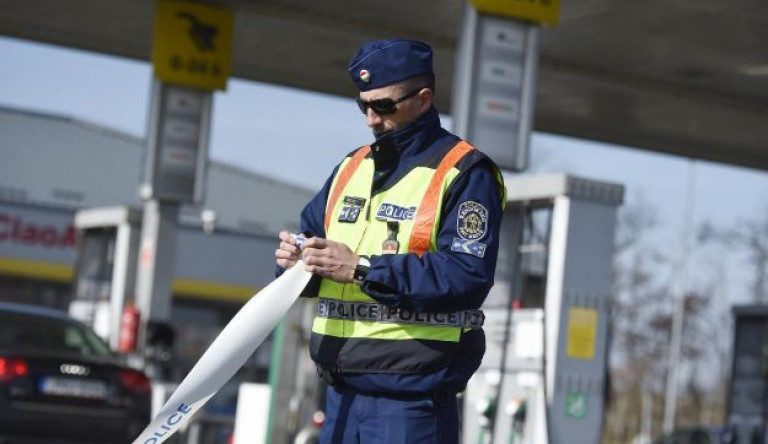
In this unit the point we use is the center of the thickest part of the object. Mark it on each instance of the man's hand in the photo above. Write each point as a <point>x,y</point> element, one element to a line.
<point>330,259</point>
<point>287,252</point>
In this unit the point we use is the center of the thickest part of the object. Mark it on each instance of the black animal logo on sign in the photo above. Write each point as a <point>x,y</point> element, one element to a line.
<point>200,33</point>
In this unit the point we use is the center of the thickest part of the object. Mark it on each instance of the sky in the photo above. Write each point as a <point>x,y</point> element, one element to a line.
<point>299,136</point>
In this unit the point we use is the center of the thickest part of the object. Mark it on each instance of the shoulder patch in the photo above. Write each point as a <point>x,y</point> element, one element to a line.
<point>468,247</point>
<point>472,220</point>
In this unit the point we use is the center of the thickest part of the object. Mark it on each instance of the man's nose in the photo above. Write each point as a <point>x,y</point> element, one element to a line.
<point>372,119</point>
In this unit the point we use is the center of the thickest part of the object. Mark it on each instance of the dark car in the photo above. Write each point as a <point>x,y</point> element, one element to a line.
<point>698,435</point>
<point>60,383</point>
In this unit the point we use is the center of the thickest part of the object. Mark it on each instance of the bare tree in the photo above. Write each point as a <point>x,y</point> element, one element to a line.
<point>636,350</point>
<point>642,324</point>
<point>750,237</point>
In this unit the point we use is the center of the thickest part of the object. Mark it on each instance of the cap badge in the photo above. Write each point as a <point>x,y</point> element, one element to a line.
<point>365,75</point>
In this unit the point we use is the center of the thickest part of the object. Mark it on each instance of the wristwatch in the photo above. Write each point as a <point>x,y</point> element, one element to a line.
<point>361,270</point>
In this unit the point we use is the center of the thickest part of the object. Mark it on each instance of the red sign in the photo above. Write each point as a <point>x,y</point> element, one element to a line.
<point>16,229</point>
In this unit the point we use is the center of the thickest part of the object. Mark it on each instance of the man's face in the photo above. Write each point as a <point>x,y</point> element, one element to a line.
<point>407,111</point>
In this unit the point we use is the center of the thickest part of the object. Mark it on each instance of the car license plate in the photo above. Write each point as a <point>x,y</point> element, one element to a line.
<point>76,388</point>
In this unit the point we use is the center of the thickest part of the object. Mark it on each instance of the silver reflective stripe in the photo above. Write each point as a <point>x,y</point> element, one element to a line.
<point>374,312</point>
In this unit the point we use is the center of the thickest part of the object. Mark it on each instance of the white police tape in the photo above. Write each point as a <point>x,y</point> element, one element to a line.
<point>246,331</point>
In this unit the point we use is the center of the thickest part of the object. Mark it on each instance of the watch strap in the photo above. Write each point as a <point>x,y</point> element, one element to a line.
<point>362,269</point>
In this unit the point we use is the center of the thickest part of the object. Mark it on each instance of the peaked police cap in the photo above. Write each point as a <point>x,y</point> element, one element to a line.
<point>384,62</point>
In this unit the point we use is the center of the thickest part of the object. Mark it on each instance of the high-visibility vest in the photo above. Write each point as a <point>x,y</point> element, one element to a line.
<point>366,338</point>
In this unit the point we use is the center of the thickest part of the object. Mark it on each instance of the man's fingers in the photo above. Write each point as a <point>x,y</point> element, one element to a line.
<point>315,256</point>
<point>317,270</point>
<point>286,237</point>
<point>285,264</point>
<point>287,253</point>
<point>289,247</point>
<point>318,260</point>
<point>316,242</point>
<point>281,253</point>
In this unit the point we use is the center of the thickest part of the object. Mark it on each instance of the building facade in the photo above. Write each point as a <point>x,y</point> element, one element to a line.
<point>53,166</point>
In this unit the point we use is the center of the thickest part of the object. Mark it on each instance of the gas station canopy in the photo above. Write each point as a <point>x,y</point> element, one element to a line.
<point>687,77</point>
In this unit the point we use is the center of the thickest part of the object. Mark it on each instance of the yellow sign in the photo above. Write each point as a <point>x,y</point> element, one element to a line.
<point>192,44</point>
<point>539,11</point>
<point>582,331</point>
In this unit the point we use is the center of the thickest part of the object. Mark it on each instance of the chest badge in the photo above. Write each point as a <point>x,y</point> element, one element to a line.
<point>351,209</point>
<point>392,212</point>
<point>391,245</point>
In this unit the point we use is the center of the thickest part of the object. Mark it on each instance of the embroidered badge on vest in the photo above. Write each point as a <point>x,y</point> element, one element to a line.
<point>472,221</point>
<point>393,212</point>
<point>351,209</point>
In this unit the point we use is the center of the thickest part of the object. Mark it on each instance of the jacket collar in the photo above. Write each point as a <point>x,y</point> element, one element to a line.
<point>407,141</point>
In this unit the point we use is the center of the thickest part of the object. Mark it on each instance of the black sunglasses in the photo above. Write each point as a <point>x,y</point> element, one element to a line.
<point>385,107</point>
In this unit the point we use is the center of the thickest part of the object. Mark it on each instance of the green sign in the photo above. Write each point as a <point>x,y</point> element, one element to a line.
<point>576,405</point>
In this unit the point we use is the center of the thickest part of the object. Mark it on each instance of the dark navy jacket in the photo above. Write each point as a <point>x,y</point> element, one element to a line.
<point>439,281</point>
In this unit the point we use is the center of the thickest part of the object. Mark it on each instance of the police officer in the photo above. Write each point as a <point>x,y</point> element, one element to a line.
<point>403,239</point>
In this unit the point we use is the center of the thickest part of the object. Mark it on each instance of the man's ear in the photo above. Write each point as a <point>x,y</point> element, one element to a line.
<point>425,99</point>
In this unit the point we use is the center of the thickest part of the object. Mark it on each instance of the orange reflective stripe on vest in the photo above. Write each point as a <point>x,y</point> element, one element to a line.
<point>344,176</point>
<point>425,218</point>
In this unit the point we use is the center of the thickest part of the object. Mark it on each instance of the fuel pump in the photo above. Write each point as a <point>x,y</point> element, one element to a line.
<point>486,408</point>
<point>105,272</point>
<point>547,315</point>
<point>747,410</point>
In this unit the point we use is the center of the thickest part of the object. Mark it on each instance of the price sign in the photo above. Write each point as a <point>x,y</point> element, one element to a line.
<point>538,11</point>
<point>192,44</point>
